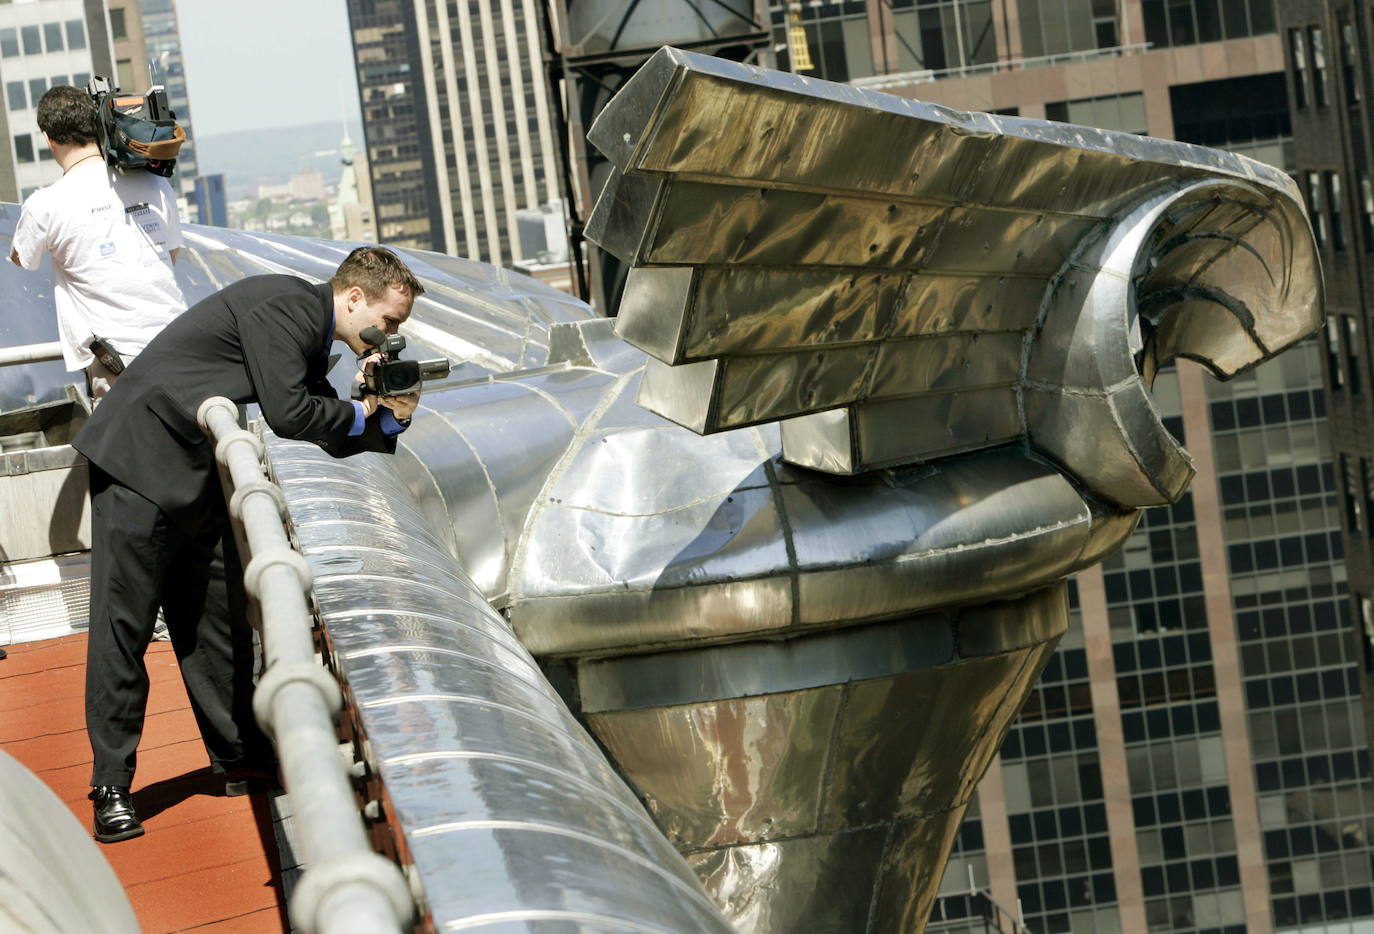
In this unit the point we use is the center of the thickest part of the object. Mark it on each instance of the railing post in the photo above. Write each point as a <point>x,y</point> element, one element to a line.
<point>346,888</point>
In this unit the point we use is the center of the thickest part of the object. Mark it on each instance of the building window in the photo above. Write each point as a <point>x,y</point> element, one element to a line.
<point>36,88</point>
<point>1367,631</point>
<point>1054,27</point>
<point>118,28</point>
<point>23,148</point>
<point>1353,511</point>
<point>14,93</point>
<point>1314,208</point>
<point>1317,40</point>
<point>1332,184</point>
<point>76,34</point>
<point>1367,211</point>
<point>9,43</point>
<point>836,38</point>
<point>1125,112</point>
<point>943,34</point>
<point>1297,48</point>
<point>52,37</point>
<point>1333,353</point>
<point>1352,352</point>
<point>1368,497</point>
<point>33,42</point>
<point>1350,52</point>
<point>1187,22</point>
<point>124,74</point>
<point>1231,112</point>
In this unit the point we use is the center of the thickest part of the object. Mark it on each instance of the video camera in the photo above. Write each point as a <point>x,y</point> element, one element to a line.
<point>391,376</point>
<point>136,132</point>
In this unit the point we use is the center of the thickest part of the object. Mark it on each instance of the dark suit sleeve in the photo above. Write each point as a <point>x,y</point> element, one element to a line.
<point>279,338</point>
<point>373,438</point>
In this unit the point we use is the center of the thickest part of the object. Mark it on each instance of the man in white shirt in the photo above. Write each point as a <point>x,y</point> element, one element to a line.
<point>113,236</point>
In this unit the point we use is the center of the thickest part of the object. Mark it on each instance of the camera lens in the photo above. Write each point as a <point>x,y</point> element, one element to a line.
<point>400,376</point>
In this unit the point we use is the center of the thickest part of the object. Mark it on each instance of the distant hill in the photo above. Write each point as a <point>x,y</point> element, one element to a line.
<point>268,157</point>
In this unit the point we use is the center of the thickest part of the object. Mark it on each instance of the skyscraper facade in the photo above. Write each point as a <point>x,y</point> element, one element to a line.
<point>1194,758</point>
<point>457,123</point>
<point>163,65</point>
<point>130,52</point>
<point>43,43</point>
<point>1327,52</point>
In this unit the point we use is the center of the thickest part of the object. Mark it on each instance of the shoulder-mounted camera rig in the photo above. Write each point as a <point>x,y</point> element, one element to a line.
<point>136,132</point>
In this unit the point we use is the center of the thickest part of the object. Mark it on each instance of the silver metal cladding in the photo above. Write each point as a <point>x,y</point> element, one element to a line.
<point>1180,273</point>
<point>646,539</point>
<point>507,808</point>
<point>758,769</point>
<point>781,270</point>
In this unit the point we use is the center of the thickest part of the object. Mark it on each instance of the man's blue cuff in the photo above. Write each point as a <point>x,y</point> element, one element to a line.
<point>389,424</point>
<point>359,419</point>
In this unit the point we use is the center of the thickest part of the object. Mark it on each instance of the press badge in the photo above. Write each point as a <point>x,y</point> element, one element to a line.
<point>150,223</point>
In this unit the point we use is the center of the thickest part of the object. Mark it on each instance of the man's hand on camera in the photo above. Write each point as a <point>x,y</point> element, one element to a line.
<point>368,400</point>
<point>402,407</point>
<point>369,404</point>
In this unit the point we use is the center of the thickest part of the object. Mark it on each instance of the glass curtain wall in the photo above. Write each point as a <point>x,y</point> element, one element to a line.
<point>1055,809</point>
<point>1282,499</point>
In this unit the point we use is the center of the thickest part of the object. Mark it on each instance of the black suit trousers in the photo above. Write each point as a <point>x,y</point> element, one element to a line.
<point>140,560</point>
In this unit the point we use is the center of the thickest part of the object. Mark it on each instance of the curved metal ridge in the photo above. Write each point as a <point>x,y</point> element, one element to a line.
<point>54,880</point>
<point>485,318</point>
<point>474,748</point>
<point>345,886</point>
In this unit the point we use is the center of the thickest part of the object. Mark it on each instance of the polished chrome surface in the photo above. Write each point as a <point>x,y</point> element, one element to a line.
<point>484,318</point>
<point>914,349</point>
<point>53,878</point>
<point>345,887</point>
<point>763,776</point>
<point>504,807</point>
<point>857,265</point>
<point>1194,269</point>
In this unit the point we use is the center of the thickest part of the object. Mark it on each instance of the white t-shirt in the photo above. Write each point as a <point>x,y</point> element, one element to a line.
<point>111,234</point>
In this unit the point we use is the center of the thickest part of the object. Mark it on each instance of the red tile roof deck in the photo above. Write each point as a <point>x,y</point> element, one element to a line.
<point>207,863</point>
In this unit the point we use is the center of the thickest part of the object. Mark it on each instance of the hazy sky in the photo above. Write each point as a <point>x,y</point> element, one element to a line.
<point>254,64</point>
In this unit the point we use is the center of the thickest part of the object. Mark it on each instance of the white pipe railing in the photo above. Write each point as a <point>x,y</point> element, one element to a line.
<point>346,888</point>
<point>30,353</point>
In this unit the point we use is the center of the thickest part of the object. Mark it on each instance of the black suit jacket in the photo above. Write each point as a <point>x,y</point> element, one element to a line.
<point>264,339</point>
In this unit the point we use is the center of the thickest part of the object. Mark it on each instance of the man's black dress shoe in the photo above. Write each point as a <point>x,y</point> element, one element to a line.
<point>115,819</point>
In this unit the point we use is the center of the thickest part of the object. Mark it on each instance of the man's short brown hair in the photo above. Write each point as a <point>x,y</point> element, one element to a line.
<point>67,115</point>
<point>373,269</point>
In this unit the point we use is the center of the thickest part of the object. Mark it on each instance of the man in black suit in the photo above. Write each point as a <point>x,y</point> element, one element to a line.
<point>160,530</point>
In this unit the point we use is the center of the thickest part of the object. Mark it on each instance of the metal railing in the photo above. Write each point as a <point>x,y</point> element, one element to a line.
<point>346,888</point>
<point>30,353</point>
<point>984,912</point>
<point>900,79</point>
